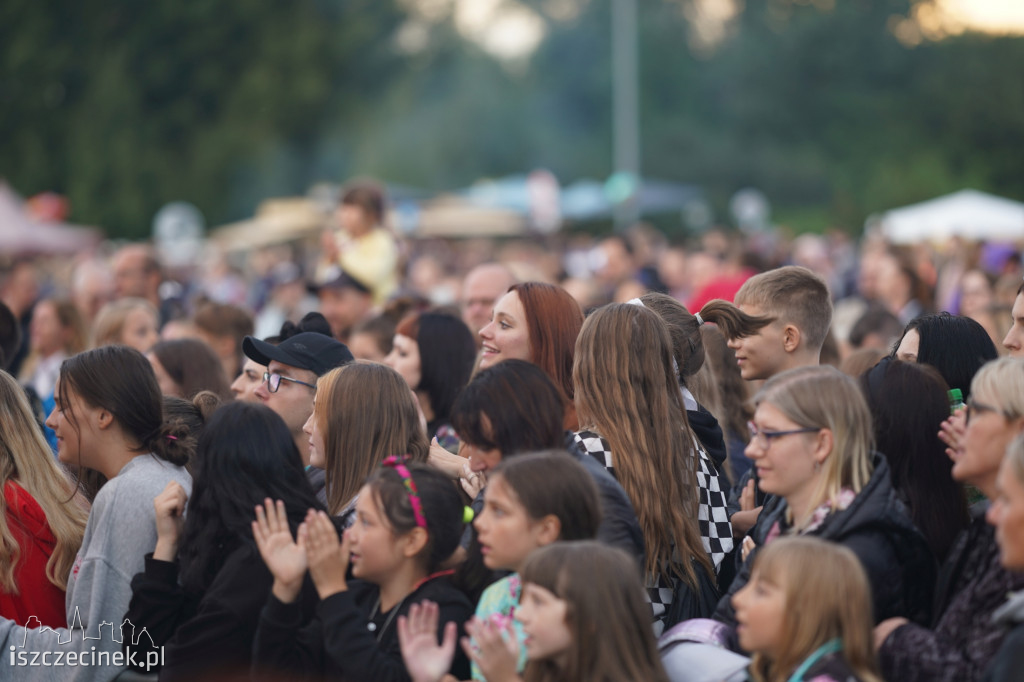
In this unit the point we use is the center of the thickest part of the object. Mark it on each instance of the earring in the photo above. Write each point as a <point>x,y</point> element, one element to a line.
<point>817,466</point>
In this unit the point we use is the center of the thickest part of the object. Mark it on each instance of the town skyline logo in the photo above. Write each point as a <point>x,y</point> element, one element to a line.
<point>80,652</point>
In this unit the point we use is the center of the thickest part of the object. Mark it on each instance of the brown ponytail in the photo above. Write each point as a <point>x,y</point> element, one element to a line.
<point>734,323</point>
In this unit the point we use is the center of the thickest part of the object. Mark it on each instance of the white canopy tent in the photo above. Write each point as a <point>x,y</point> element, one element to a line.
<point>968,213</point>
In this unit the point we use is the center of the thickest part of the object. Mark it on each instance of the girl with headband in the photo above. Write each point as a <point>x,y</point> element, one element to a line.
<point>408,522</point>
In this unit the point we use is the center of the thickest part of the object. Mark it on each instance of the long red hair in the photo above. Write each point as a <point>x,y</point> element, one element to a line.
<point>553,321</point>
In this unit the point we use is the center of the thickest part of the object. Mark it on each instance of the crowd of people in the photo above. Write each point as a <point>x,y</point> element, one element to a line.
<point>620,459</point>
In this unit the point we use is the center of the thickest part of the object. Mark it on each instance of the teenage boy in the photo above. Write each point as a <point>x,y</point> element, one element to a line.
<point>800,305</point>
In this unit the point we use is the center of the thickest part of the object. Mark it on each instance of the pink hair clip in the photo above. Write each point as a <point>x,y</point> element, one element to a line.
<point>395,463</point>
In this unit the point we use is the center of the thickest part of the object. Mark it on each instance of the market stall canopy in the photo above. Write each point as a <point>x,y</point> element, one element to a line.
<point>967,213</point>
<point>277,221</point>
<point>453,216</point>
<point>20,234</point>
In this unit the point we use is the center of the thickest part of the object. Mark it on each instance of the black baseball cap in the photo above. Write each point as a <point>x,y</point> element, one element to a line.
<point>315,352</point>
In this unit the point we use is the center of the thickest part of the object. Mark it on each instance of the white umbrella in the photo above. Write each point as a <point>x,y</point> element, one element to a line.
<point>967,213</point>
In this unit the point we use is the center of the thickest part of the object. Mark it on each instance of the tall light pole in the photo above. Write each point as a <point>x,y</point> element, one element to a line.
<point>625,104</point>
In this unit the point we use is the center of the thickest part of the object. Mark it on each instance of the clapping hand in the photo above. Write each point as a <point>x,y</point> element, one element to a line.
<point>328,558</point>
<point>285,558</point>
<point>425,659</point>
<point>951,432</point>
<point>496,652</point>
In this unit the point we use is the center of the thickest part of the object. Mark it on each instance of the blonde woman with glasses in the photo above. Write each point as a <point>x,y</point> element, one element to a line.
<point>811,445</point>
<point>42,517</point>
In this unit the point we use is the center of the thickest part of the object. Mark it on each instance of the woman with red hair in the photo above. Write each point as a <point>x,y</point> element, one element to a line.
<point>538,323</point>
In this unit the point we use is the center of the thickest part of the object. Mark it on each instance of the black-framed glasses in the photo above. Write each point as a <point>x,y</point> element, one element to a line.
<point>975,408</point>
<point>273,381</point>
<point>764,438</point>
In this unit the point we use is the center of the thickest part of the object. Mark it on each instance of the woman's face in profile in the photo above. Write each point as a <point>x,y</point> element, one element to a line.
<point>506,337</point>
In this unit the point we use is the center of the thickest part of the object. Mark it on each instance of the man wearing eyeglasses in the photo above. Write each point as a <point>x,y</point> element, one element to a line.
<point>289,384</point>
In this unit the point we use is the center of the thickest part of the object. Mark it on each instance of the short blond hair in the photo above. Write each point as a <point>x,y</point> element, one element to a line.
<point>1002,381</point>
<point>793,295</point>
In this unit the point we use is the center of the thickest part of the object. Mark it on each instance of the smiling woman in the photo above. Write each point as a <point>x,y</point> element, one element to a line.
<point>538,323</point>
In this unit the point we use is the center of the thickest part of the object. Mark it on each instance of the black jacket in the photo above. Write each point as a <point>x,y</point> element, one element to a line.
<point>337,644</point>
<point>709,433</point>
<point>207,635</point>
<point>875,526</point>
<point>963,638</point>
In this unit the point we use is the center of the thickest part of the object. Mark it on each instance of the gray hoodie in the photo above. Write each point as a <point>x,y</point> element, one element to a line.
<point>120,532</point>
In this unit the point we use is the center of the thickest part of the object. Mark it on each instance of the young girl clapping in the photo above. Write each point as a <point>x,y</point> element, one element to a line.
<point>584,618</point>
<point>805,614</point>
<point>408,522</point>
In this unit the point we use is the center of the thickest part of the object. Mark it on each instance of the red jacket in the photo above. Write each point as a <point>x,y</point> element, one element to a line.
<point>37,595</point>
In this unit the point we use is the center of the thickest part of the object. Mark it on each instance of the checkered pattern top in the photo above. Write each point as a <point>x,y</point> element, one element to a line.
<point>712,516</point>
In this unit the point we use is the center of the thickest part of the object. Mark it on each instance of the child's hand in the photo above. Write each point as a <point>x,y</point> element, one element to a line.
<point>285,558</point>
<point>747,547</point>
<point>425,660</point>
<point>952,434</point>
<point>170,508</point>
<point>328,558</point>
<point>496,653</point>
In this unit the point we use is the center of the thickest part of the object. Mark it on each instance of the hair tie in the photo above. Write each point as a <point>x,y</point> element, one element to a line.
<point>393,462</point>
<point>700,320</point>
<point>170,437</point>
<point>468,514</point>
<point>636,301</point>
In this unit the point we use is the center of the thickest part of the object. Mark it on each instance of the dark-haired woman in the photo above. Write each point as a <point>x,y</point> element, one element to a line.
<point>908,404</point>
<point>513,408</point>
<point>108,418</point>
<point>434,353</point>
<point>204,585</point>
<point>956,346</point>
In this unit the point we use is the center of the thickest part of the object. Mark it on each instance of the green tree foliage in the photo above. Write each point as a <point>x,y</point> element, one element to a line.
<point>124,106</point>
<point>816,102</point>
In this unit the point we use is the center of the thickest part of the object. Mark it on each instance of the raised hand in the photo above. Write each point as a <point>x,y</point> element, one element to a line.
<point>285,558</point>
<point>952,431</point>
<point>328,558</point>
<point>496,652</point>
<point>425,659</point>
<point>170,509</point>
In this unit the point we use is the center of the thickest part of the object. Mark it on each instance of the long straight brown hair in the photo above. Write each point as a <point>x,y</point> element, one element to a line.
<point>626,390</point>
<point>366,413</point>
<point>606,614</point>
